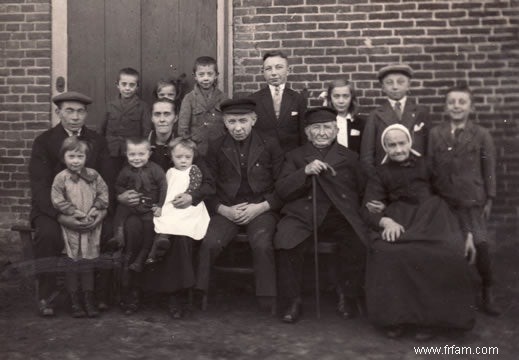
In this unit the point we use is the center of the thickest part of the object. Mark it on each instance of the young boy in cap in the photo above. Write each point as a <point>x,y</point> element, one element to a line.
<point>44,165</point>
<point>127,116</point>
<point>395,80</point>
<point>280,110</point>
<point>465,154</point>
<point>244,165</point>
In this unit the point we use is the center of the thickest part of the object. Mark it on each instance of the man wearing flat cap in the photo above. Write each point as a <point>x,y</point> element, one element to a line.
<point>245,165</point>
<point>395,80</point>
<point>44,164</point>
<point>339,185</point>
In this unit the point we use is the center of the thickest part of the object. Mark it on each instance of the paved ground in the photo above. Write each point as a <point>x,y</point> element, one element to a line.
<point>233,329</point>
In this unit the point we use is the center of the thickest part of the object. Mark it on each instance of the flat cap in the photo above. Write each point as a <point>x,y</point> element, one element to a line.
<point>395,68</point>
<point>238,106</point>
<point>72,96</point>
<point>322,114</point>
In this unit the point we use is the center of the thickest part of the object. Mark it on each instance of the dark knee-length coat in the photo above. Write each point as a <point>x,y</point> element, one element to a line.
<point>344,191</point>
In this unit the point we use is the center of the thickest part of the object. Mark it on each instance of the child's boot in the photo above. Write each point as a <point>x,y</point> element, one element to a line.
<point>90,306</point>
<point>116,242</point>
<point>138,262</point>
<point>489,306</point>
<point>77,308</point>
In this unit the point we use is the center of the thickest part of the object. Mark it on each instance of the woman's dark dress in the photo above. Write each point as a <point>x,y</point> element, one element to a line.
<point>423,278</point>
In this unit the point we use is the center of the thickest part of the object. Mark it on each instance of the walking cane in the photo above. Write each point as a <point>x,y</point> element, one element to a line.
<point>316,253</point>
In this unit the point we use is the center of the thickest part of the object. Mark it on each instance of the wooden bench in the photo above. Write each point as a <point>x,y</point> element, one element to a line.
<point>237,247</point>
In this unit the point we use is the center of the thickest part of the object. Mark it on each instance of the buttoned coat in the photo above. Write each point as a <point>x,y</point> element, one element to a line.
<point>45,164</point>
<point>469,163</point>
<point>124,120</point>
<point>200,117</point>
<point>289,129</point>
<point>263,168</point>
<point>414,117</point>
<point>344,191</point>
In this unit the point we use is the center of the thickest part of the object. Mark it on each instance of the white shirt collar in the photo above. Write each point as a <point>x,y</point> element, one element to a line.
<point>273,88</point>
<point>70,133</point>
<point>402,102</point>
<point>347,117</point>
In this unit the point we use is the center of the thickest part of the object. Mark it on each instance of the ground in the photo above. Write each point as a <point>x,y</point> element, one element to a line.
<point>232,328</point>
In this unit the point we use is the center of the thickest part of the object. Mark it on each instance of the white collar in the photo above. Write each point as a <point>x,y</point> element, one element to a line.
<point>347,117</point>
<point>402,102</point>
<point>273,88</point>
<point>70,133</point>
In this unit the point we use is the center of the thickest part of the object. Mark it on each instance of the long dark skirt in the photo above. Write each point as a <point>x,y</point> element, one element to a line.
<point>174,272</point>
<point>423,278</point>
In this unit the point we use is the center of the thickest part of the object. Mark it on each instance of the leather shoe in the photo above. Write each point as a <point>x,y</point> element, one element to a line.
<point>45,309</point>
<point>293,312</point>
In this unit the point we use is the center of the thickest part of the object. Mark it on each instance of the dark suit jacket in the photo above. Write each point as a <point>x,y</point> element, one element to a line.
<point>469,164</point>
<point>45,163</point>
<point>344,191</point>
<point>354,140</point>
<point>289,129</point>
<point>414,117</point>
<point>264,164</point>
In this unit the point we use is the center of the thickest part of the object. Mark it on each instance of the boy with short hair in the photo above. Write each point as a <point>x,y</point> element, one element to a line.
<point>200,117</point>
<point>464,153</point>
<point>149,180</point>
<point>127,116</point>
<point>280,109</point>
<point>395,80</point>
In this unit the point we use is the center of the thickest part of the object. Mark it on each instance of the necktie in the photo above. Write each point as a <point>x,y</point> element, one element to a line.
<point>277,100</point>
<point>75,133</point>
<point>398,110</point>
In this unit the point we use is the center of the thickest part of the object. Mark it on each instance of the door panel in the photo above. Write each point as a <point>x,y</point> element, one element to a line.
<point>86,53</point>
<point>160,45</point>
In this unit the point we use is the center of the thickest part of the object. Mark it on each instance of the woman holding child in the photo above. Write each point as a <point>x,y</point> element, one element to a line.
<point>417,277</point>
<point>173,273</point>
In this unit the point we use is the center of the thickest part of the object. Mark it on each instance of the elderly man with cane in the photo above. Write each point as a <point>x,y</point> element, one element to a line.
<point>337,189</point>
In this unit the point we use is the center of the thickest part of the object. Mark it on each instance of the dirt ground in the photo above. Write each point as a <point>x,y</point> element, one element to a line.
<point>232,328</point>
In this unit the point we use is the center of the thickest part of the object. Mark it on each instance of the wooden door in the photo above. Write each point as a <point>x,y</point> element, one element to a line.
<point>159,38</point>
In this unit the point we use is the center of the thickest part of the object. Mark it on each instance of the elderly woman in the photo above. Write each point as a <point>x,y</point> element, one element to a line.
<point>417,277</point>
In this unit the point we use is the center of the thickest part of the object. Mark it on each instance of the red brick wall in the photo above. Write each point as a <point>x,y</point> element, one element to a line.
<point>445,41</point>
<point>25,70</point>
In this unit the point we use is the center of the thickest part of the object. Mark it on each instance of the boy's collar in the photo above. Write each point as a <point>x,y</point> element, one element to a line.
<point>273,88</point>
<point>402,102</point>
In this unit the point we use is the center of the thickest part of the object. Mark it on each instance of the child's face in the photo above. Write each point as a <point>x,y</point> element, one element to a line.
<point>137,154</point>
<point>341,99</point>
<point>275,70</point>
<point>167,92</point>
<point>182,157</point>
<point>458,105</point>
<point>397,145</point>
<point>395,86</point>
<point>75,160</point>
<point>127,85</point>
<point>205,76</point>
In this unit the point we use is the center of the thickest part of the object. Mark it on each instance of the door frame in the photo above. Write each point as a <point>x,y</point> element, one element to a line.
<point>59,28</point>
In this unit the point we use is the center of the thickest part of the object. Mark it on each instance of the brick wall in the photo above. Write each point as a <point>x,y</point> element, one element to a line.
<point>445,41</point>
<point>25,69</point>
